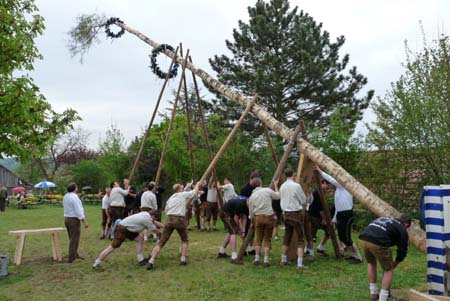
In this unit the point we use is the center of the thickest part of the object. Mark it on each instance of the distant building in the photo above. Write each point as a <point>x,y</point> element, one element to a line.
<point>10,179</point>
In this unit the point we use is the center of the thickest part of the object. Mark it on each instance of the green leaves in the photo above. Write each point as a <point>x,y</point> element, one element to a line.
<point>28,122</point>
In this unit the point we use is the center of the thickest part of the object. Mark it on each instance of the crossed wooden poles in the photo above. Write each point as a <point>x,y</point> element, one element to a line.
<point>301,178</point>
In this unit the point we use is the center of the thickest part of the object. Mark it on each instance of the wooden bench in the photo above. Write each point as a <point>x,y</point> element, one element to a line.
<point>20,241</point>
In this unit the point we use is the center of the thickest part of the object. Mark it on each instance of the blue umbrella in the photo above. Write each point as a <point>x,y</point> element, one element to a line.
<point>45,184</point>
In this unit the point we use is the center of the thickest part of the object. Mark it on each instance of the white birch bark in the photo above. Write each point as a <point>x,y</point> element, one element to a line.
<point>359,191</point>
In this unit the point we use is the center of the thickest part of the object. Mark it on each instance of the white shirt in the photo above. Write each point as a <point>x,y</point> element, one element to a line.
<point>138,222</point>
<point>292,196</point>
<point>343,200</point>
<point>105,202</point>
<point>228,192</point>
<point>117,197</point>
<point>260,202</point>
<point>212,194</point>
<point>176,204</point>
<point>148,200</point>
<point>73,206</point>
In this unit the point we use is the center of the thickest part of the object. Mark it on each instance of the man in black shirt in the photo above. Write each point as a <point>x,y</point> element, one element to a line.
<point>376,240</point>
<point>130,199</point>
<point>203,192</point>
<point>232,212</point>
<point>317,217</point>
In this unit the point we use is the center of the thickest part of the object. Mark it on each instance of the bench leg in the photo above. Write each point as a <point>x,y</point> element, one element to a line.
<point>20,244</point>
<point>56,246</point>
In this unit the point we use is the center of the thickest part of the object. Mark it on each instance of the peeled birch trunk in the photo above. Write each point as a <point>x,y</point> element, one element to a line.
<point>359,191</point>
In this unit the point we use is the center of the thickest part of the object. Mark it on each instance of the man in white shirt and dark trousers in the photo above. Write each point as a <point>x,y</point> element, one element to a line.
<point>261,215</point>
<point>176,213</point>
<point>292,201</point>
<point>117,202</point>
<point>130,227</point>
<point>343,216</point>
<point>73,214</point>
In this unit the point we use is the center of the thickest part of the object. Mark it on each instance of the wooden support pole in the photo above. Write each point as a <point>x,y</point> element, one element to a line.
<point>276,176</point>
<point>228,139</point>
<point>188,118</point>
<point>359,191</point>
<point>269,141</point>
<point>169,129</point>
<point>323,199</point>
<point>147,132</point>
<point>205,132</point>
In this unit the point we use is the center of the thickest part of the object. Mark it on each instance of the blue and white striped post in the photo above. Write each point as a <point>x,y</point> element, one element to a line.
<point>437,226</point>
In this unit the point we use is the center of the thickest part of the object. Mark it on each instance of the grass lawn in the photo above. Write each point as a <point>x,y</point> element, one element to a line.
<point>204,278</point>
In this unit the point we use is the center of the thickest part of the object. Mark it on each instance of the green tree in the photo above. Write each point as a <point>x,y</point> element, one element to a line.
<point>287,59</point>
<point>113,158</point>
<point>340,143</point>
<point>413,118</point>
<point>29,123</point>
<point>89,173</point>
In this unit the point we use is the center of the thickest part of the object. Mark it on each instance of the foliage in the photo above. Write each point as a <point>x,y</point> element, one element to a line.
<point>112,156</point>
<point>411,133</point>
<point>339,142</point>
<point>85,34</point>
<point>66,149</point>
<point>286,58</point>
<point>29,123</point>
<point>89,173</point>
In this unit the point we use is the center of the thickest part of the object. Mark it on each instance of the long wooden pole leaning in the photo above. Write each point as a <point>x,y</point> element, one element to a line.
<point>147,132</point>
<point>228,139</point>
<point>276,176</point>
<point>169,129</point>
<point>323,199</point>
<point>224,145</point>
<point>358,190</point>
<point>269,141</point>
<point>205,132</point>
<point>188,119</point>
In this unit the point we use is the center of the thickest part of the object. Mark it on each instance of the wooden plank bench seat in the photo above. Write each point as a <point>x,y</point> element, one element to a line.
<point>20,242</point>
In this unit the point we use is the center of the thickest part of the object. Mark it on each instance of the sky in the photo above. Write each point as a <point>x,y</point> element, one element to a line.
<point>114,85</point>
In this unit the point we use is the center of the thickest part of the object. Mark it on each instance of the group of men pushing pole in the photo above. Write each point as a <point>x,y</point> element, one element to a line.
<point>253,209</point>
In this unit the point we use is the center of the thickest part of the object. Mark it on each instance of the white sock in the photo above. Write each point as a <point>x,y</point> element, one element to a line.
<point>152,260</point>
<point>320,247</point>
<point>384,294</point>
<point>266,258</point>
<point>222,250</point>
<point>283,258</point>
<point>373,288</point>
<point>183,258</point>
<point>154,235</point>
<point>97,262</point>
<point>256,257</point>
<point>145,237</point>
<point>250,249</point>
<point>311,252</point>
<point>299,261</point>
<point>234,255</point>
<point>140,257</point>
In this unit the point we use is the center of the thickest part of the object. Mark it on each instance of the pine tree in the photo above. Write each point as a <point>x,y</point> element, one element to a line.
<point>287,59</point>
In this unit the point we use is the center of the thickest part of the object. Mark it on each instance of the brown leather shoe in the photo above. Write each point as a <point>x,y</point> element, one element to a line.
<point>222,255</point>
<point>236,261</point>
